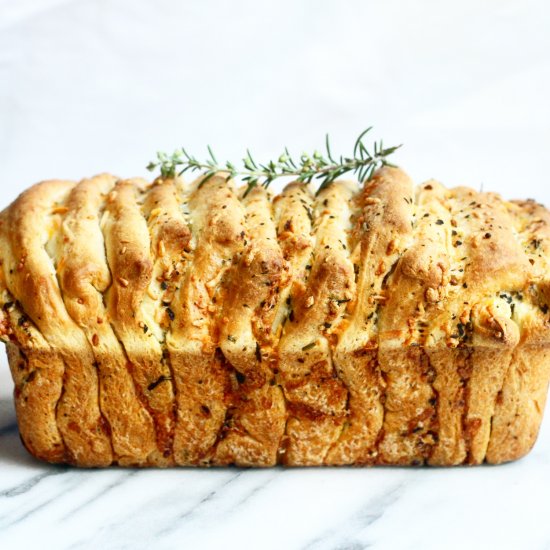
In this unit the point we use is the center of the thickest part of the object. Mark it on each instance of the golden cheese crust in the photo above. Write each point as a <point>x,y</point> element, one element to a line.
<point>193,324</point>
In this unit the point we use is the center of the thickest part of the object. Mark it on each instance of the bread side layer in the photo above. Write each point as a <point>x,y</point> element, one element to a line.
<point>444,437</point>
<point>172,324</point>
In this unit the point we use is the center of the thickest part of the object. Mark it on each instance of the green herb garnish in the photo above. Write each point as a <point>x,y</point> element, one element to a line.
<point>322,167</point>
<point>309,346</point>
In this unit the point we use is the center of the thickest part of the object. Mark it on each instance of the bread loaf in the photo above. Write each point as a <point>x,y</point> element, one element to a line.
<point>187,324</point>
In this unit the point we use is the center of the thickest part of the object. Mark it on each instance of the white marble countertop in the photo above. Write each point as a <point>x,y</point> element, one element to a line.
<point>89,86</point>
<point>485,507</point>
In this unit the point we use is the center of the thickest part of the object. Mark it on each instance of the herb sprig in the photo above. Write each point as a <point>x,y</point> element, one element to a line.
<point>324,168</point>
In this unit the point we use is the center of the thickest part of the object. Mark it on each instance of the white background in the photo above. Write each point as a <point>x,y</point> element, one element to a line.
<point>93,85</point>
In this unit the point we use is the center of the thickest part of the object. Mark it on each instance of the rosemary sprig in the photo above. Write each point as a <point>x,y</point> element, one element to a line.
<point>322,167</point>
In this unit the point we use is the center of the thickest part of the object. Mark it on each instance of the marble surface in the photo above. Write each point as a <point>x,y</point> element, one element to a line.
<point>89,85</point>
<point>484,507</point>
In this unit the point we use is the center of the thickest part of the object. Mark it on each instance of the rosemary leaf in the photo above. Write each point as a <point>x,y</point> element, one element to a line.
<point>324,169</point>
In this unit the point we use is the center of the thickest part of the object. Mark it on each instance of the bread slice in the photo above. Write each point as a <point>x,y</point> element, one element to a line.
<point>188,324</point>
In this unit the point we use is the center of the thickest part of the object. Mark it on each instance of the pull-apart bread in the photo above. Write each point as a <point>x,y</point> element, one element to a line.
<point>188,324</point>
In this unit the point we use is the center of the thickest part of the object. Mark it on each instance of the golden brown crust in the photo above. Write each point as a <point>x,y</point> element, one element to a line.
<point>166,323</point>
<point>257,412</point>
<point>381,232</point>
<point>128,249</point>
<point>38,378</point>
<point>201,374</point>
<point>520,402</point>
<point>31,278</point>
<point>315,395</point>
<point>85,278</point>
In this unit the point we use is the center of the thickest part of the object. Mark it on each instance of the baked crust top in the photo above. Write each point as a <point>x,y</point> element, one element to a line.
<point>200,266</point>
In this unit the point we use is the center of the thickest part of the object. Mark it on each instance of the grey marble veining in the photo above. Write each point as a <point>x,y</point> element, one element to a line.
<point>314,509</point>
